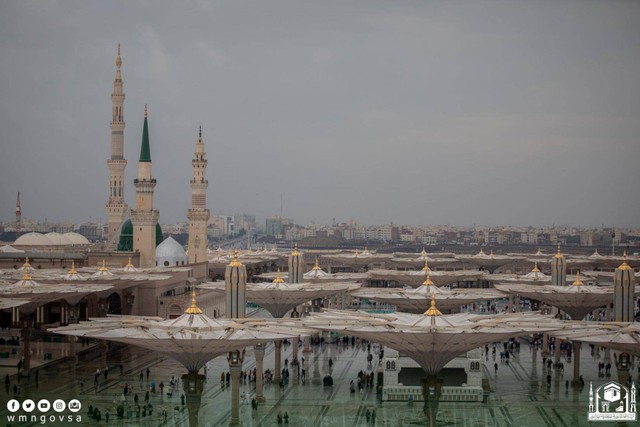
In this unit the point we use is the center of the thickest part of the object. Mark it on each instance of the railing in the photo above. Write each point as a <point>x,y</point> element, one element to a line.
<point>449,394</point>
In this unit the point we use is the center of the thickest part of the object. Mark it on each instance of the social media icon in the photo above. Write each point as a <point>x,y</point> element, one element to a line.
<point>44,405</point>
<point>28,405</point>
<point>13,405</point>
<point>59,405</point>
<point>74,405</point>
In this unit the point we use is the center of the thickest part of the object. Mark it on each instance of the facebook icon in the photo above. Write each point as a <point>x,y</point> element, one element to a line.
<point>13,405</point>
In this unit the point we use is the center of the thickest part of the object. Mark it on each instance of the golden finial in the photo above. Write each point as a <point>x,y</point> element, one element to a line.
<point>481,252</point>
<point>624,265</point>
<point>235,262</point>
<point>26,263</point>
<point>72,270</point>
<point>424,252</point>
<point>578,282</point>
<point>278,278</point>
<point>25,274</point>
<point>145,111</point>
<point>129,265</point>
<point>535,268</point>
<point>356,253</point>
<point>426,266</point>
<point>194,309</point>
<point>317,266</point>
<point>104,267</point>
<point>433,310</point>
<point>295,252</point>
<point>428,281</point>
<point>539,252</point>
<point>558,254</point>
<point>491,253</point>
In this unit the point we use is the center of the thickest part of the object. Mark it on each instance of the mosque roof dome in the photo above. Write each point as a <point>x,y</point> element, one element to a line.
<point>170,252</point>
<point>76,239</point>
<point>33,239</point>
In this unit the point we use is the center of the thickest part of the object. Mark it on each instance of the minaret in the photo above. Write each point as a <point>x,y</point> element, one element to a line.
<point>558,269</point>
<point>18,217</point>
<point>198,215</point>
<point>144,218</point>
<point>235,278</point>
<point>116,207</point>
<point>296,266</point>
<point>624,293</point>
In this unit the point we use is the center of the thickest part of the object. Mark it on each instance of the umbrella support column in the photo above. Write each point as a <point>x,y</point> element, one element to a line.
<point>431,391</point>
<point>294,351</point>
<point>235,360</point>
<point>26,344</point>
<point>259,354</point>
<point>278,356</point>
<point>545,345</point>
<point>307,345</point>
<point>193,386</point>
<point>576,363</point>
<point>72,347</point>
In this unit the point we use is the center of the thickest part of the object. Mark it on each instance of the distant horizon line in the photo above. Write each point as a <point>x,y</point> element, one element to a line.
<point>475,225</point>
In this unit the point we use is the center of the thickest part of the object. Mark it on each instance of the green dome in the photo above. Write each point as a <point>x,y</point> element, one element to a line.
<point>125,243</point>
<point>159,237</point>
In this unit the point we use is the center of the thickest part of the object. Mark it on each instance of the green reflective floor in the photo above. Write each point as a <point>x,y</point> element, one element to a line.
<point>520,395</point>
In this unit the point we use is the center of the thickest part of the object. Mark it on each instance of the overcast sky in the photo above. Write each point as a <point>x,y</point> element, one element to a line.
<point>415,112</point>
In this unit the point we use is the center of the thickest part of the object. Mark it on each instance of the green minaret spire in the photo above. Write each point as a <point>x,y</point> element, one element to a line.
<point>145,151</point>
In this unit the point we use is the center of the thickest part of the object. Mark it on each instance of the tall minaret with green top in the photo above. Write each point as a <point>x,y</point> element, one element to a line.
<point>144,217</point>
<point>116,207</point>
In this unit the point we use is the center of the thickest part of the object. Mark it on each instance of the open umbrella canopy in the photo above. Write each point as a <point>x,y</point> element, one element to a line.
<point>575,300</point>
<point>417,300</point>
<point>278,297</point>
<point>12,302</point>
<point>621,336</point>
<point>416,277</point>
<point>489,262</point>
<point>192,339</point>
<point>42,293</point>
<point>432,339</point>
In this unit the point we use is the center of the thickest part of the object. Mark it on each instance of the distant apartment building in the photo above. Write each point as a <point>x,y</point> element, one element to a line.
<point>91,231</point>
<point>245,222</point>
<point>275,225</point>
<point>529,238</point>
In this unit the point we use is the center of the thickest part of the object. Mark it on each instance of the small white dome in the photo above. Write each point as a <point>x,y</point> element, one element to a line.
<point>170,253</point>
<point>10,249</point>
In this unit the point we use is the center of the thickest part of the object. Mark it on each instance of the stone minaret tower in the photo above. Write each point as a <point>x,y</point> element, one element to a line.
<point>296,266</point>
<point>116,207</point>
<point>624,293</point>
<point>144,218</point>
<point>235,278</point>
<point>18,217</point>
<point>558,269</point>
<point>198,214</point>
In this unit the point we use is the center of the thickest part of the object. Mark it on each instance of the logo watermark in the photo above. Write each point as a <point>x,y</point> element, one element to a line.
<point>38,413</point>
<point>612,402</point>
